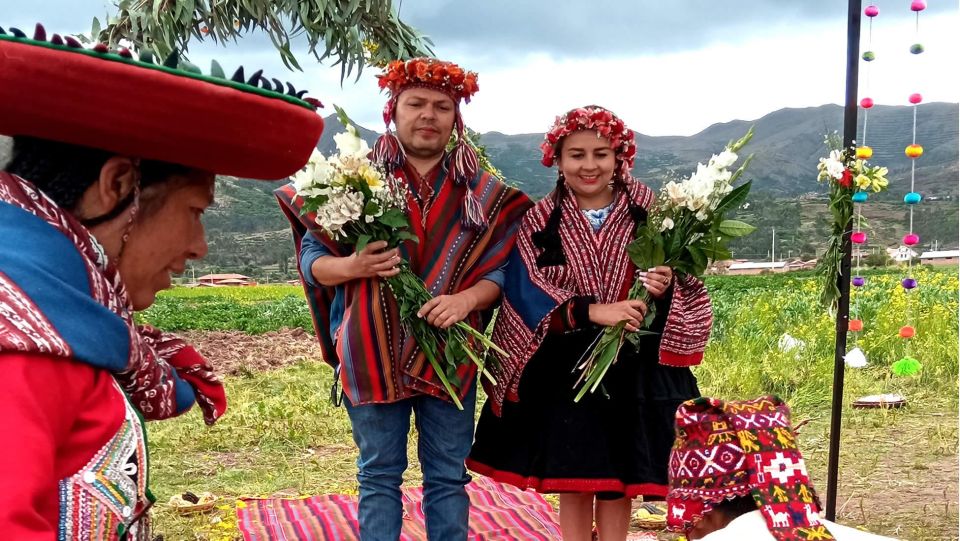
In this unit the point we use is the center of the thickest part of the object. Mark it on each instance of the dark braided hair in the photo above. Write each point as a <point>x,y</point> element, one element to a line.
<point>638,213</point>
<point>548,238</point>
<point>64,172</point>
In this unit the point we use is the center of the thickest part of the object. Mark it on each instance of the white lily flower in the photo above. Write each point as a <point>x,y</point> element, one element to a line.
<point>349,143</point>
<point>675,193</point>
<point>724,160</point>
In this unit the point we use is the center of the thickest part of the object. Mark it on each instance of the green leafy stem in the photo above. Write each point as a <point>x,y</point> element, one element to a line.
<point>445,349</point>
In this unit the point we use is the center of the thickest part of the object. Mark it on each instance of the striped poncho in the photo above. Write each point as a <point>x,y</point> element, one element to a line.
<point>379,361</point>
<point>596,266</point>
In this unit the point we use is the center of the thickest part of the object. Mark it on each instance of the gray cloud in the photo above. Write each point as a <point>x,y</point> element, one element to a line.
<point>564,28</point>
<point>578,28</point>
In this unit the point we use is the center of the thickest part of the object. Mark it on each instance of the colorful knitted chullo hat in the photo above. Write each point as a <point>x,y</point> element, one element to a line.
<point>107,99</point>
<point>726,450</point>
<point>453,81</point>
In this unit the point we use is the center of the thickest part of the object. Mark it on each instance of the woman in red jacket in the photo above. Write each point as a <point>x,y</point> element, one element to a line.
<point>112,168</point>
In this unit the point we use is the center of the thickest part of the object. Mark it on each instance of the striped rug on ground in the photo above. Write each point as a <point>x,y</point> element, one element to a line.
<point>498,512</point>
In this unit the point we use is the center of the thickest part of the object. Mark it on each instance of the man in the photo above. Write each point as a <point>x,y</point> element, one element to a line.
<point>736,473</point>
<point>465,220</point>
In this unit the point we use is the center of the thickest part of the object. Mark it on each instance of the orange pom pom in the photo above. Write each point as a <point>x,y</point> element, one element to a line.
<point>856,325</point>
<point>907,332</point>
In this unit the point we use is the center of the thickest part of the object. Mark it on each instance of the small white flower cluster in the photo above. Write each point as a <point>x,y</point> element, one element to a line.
<point>348,186</point>
<point>340,209</point>
<point>700,193</point>
<point>858,174</point>
<point>831,167</point>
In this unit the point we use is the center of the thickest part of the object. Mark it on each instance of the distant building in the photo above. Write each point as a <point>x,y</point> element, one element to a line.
<point>941,257</point>
<point>720,267</point>
<point>800,264</point>
<point>754,267</point>
<point>226,280</point>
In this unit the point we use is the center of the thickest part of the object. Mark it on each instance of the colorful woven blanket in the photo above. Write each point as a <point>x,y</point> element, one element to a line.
<point>497,513</point>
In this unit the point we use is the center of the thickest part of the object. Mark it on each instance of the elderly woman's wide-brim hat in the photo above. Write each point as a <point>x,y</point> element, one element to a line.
<point>58,90</point>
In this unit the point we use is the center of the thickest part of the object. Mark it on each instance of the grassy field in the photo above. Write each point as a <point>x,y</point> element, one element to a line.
<point>281,436</point>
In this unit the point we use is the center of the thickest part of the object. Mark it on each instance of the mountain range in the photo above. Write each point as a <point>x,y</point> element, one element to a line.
<point>248,233</point>
<point>787,145</point>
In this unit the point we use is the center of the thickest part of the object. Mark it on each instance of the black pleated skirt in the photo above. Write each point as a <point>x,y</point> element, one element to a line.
<point>613,442</point>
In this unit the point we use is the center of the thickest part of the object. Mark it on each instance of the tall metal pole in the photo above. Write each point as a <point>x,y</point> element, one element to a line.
<point>843,280</point>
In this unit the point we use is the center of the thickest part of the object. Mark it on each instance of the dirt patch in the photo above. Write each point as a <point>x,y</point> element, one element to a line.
<point>235,352</point>
<point>901,479</point>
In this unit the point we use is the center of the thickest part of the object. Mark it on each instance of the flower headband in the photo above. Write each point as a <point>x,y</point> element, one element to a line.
<point>446,77</point>
<point>598,119</point>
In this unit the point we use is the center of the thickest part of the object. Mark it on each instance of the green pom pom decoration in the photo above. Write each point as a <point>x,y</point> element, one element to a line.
<point>869,56</point>
<point>907,366</point>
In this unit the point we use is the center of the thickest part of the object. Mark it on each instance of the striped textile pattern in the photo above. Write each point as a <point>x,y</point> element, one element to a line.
<point>597,265</point>
<point>498,512</point>
<point>379,362</point>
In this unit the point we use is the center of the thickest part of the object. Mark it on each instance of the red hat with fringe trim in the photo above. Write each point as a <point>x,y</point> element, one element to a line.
<point>724,450</point>
<point>453,81</point>
<point>58,90</point>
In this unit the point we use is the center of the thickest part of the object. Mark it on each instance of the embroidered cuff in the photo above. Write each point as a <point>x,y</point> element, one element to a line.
<point>580,312</point>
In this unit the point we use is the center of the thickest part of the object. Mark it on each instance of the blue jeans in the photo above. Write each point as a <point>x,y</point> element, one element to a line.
<point>445,435</point>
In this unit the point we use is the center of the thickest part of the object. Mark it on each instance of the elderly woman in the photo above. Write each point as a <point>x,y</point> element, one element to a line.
<point>113,165</point>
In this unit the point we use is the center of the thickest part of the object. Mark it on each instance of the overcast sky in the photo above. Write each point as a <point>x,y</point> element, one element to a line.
<point>668,68</point>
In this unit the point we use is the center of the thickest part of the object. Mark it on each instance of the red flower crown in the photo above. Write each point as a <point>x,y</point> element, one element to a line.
<point>446,77</point>
<point>598,119</point>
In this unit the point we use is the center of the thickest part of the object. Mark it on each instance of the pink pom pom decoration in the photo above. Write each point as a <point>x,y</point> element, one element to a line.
<point>873,11</point>
<point>917,5</point>
<point>866,103</point>
<point>915,98</point>
<point>859,237</point>
<point>911,239</point>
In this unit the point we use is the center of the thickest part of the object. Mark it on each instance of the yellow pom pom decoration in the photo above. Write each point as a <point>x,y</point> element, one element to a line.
<point>913,151</point>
